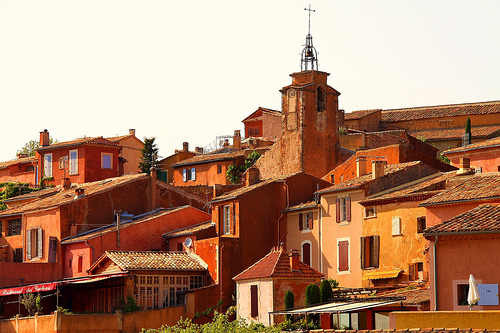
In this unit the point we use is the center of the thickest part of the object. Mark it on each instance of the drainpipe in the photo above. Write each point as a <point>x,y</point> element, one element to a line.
<point>320,238</point>
<point>93,251</point>
<point>281,215</point>
<point>219,273</point>
<point>435,272</point>
<point>118,214</point>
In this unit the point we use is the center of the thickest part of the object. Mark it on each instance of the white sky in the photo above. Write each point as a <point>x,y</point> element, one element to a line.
<point>192,70</point>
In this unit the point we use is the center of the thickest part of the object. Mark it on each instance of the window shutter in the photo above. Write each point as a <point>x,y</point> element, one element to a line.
<point>301,222</point>
<point>53,249</point>
<point>348,209</point>
<point>488,294</point>
<point>376,251</point>
<point>28,245</point>
<point>396,225</point>
<point>310,220</point>
<point>412,272</point>
<point>338,210</point>
<point>363,256</point>
<point>193,174</point>
<point>254,297</point>
<point>40,243</point>
<point>184,174</point>
<point>343,255</point>
<point>232,217</point>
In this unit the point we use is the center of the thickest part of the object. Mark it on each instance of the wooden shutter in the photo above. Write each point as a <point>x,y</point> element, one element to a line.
<point>306,253</point>
<point>28,244</point>
<point>348,209</point>
<point>343,255</point>
<point>254,301</point>
<point>193,174</point>
<point>375,252</point>
<point>39,253</point>
<point>363,256</point>
<point>184,175</point>
<point>412,272</point>
<point>338,210</point>
<point>310,220</point>
<point>301,222</point>
<point>53,249</point>
<point>232,219</point>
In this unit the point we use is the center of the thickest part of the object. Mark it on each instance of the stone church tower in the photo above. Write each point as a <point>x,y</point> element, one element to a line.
<point>309,136</point>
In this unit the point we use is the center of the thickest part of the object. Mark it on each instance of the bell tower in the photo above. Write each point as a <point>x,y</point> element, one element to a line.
<point>309,138</point>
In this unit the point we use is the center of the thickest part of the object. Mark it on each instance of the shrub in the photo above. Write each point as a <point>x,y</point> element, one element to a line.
<point>326,292</point>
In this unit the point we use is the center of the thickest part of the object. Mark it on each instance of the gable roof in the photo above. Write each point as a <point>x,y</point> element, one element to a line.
<point>473,188</point>
<point>22,160</point>
<point>456,133</point>
<point>63,197</point>
<point>97,141</point>
<point>277,264</point>
<point>360,114</point>
<point>492,143</point>
<point>482,219</point>
<point>208,158</point>
<point>263,110</point>
<point>148,260</point>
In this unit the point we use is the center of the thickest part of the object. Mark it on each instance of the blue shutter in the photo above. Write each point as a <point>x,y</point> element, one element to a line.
<point>488,294</point>
<point>193,174</point>
<point>184,174</point>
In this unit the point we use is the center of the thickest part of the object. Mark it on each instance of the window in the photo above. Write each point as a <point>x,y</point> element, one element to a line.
<point>396,226</point>
<point>18,255</point>
<point>370,249</point>
<point>34,240</point>
<point>219,169</point>
<point>462,293</point>
<point>421,224</point>
<point>106,161</point>
<point>306,221</point>
<point>479,170</point>
<point>332,178</point>
<point>30,168</point>
<point>254,301</point>
<point>189,174</point>
<point>47,165</point>
<point>226,215</point>
<point>52,249</point>
<point>14,227</point>
<point>306,253</point>
<point>80,264</point>
<point>416,271</point>
<point>343,255</point>
<point>370,212</point>
<point>344,209</point>
<point>73,162</point>
<point>195,282</point>
<point>320,102</point>
<point>70,263</point>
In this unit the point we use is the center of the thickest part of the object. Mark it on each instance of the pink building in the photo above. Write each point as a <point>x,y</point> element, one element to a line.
<point>482,156</point>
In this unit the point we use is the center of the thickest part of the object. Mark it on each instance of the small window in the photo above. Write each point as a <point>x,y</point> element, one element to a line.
<point>306,253</point>
<point>462,294</point>
<point>332,178</point>
<point>421,224</point>
<point>34,239</point>
<point>47,165</point>
<point>344,209</point>
<point>80,264</point>
<point>254,301</point>
<point>106,161</point>
<point>189,174</point>
<point>226,219</point>
<point>370,212</point>
<point>73,162</point>
<point>14,227</point>
<point>306,221</point>
<point>416,271</point>
<point>195,282</point>
<point>396,226</point>
<point>479,170</point>
<point>30,168</point>
<point>219,169</point>
<point>18,255</point>
<point>343,255</point>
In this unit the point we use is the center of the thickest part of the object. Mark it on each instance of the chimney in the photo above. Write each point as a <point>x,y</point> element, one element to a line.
<point>79,192</point>
<point>153,176</point>
<point>66,183</point>
<point>378,168</point>
<point>464,166</point>
<point>185,146</point>
<point>198,150</point>
<point>131,131</point>
<point>237,140</point>
<point>44,138</point>
<point>252,176</point>
<point>294,260</point>
<point>217,190</point>
<point>22,155</point>
<point>361,166</point>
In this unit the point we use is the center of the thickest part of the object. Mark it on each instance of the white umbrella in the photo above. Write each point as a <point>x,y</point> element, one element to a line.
<point>473,296</point>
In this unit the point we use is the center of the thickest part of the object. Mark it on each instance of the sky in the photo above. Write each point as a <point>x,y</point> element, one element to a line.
<point>193,70</point>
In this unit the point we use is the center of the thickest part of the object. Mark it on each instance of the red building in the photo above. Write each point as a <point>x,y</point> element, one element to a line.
<point>21,170</point>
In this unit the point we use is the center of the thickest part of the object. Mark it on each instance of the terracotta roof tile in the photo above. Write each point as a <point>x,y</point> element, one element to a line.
<point>484,218</point>
<point>206,158</point>
<point>63,197</point>
<point>135,260</point>
<point>301,206</point>
<point>98,140</point>
<point>190,230</point>
<point>118,137</point>
<point>495,142</point>
<point>35,194</point>
<point>360,114</point>
<point>440,111</point>
<point>476,187</point>
<point>277,264</point>
<point>18,161</point>
<point>455,133</point>
<point>413,296</point>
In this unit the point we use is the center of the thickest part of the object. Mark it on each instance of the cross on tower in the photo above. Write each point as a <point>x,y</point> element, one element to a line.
<point>310,10</point>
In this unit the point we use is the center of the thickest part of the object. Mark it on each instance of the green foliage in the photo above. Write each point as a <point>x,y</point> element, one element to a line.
<point>468,131</point>
<point>326,291</point>
<point>29,303</point>
<point>334,283</point>
<point>9,190</point>
<point>220,324</point>
<point>38,303</point>
<point>421,138</point>
<point>149,156</point>
<point>63,310</point>
<point>342,131</point>
<point>298,326</point>
<point>289,302</point>
<point>234,172</point>
<point>313,295</point>
<point>31,146</point>
<point>445,159</point>
<point>208,311</point>
<point>127,306</point>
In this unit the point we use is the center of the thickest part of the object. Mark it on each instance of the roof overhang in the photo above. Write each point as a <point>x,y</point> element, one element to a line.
<point>340,307</point>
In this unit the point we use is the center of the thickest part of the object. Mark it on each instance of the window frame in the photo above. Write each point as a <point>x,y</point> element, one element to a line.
<point>226,220</point>
<point>348,255</point>
<point>343,208</point>
<point>421,224</point>
<point>34,243</point>
<point>47,165</point>
<point>73,167</point>
<point>373,215</point>
<point>370,249</point>
<point>14,230</point>
<point>254,301</point>
<point>110,161</point>
<point>398,222</point>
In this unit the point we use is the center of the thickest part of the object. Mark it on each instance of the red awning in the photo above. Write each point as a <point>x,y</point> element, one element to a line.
<point>29,289</point>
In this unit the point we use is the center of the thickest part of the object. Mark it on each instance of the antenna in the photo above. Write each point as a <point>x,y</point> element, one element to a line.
<point>309,57</point>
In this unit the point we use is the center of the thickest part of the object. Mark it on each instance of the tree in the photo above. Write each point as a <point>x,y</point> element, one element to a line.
<point>149,156</point>
<point>468,133</point>
<point>289,302</point>
<point>313,296</point>
<point>9,190</point>
<point>234,172</point>
<point>31,146</point>
<point>29,302</point>
<point>326,291</point>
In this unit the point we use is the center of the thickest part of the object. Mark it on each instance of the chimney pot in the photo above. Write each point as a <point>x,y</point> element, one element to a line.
<point>185,146</point>
<point>131,131</point>
<point>44,138</point>
<point>66,183</point>
<point>294,260</point>
<point>237,139</point>
<point>79,192</point>
<point>361,166</point>
<point>378,168</point>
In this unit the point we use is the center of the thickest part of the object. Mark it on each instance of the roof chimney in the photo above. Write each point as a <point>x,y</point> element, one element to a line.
<point>66,183</point>
<point>44,138</point>
<point>252,176</point>
<point>79,192</point>
<point>378,168</point>
<point>237,139</point>
<point>294,260</point>
<point>360,166</point>
<point>198,150</point>
<point>131,131</point>
<point>185,146</point>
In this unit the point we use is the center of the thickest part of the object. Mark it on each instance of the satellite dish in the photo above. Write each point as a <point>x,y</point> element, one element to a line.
<point>188,242</point>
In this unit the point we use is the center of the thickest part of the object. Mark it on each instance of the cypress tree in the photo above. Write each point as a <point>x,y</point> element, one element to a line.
<point>468,131</point>
<point>326,291</point>
<point>149,156</point>
<point>289,302</point>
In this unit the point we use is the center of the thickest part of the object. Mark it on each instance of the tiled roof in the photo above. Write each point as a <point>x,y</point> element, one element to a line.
<point>135,260</point>
<point>207,158</point>
<point>495,142</point>
<point>455,133</point>
<point>484,218</point>
<point>118,138</point>
<point>245,189</point>
<point>63,197</point>
<point>413,296</point>
<point>98,140</point>
<point>440,111</point>
<point>190,230</point>
<point>476,187</point>
<point>359,182</point>
<point>360,114</point>
<point>277,264</point>
<point>17,161</point>
<point>35,194</point>
<point>301,206</point>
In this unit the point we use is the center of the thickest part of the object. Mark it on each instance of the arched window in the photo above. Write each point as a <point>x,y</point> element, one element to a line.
<point>306,253</point>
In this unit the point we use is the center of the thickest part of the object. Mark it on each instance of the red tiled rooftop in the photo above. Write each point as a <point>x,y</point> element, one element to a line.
<point>190,230</point>
<point>484,218</point>
<point>17,161</point>
<point>360,114</point>
<point>303,205</point>
<point>492,143</point>
<point>277,264</point>
<point>98,140</point>
<point>145,260</point>
<point>455,133</point>
<point>206,158</point>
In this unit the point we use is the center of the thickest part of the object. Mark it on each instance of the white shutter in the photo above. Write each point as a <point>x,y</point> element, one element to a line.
<point>47,165</point>
<point>28,246</point>
<point>488,294</point>
<point>73,162</point>
<point>40,243</point>
<point>396,225</point>
<point>184,174</point>
<point>193,174</point>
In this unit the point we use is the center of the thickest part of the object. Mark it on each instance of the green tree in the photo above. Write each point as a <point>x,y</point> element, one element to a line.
<point>313,296</point>
<point>234,172</point>
<point>289,302</point>
<point>9,190</point>
<point>149,156</point>
<point>29,302</point>
<point>326,291</point>
<point>31,146</point>
<point>468,131</point>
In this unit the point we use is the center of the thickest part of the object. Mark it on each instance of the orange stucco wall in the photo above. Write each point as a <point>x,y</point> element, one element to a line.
<point>271,126</point>
<point>206,173</point>
<point>295,238</point>
<point>438,214</point>
<point>165,164</point>
<point>131,151</point>
<point>13,174</point>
